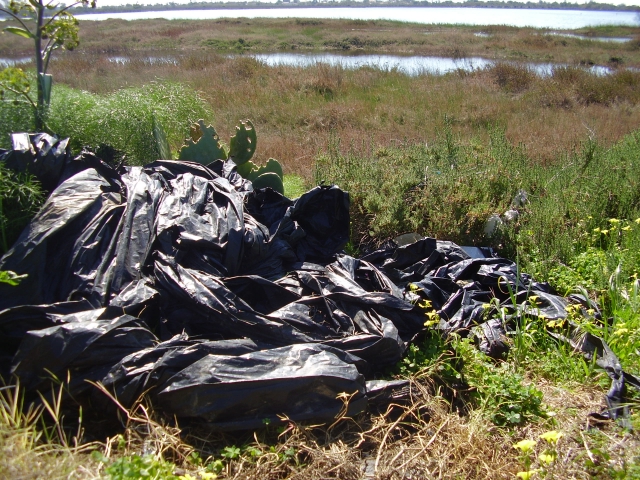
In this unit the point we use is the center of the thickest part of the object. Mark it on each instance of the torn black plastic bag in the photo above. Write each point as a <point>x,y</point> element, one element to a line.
<point>460,289</point>
<point>149,370</point>
<point>303,382</point>
<point>85,345</point>
<point>42,155</point>
<point>238,384</point>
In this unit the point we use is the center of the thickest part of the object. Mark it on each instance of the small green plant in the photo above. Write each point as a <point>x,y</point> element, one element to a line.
<point>137,466</point>
<point>231,452</point>
<point>499,392</point>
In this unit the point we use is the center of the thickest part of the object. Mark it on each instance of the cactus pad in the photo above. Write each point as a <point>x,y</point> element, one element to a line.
<point>246,168</point>
<point>272,166</point>
<point>269,179</point>
<point>203,146</point>
<point>243,144</point>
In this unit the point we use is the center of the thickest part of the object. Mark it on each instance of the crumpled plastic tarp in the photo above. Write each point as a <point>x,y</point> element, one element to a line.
<point>229,305</point>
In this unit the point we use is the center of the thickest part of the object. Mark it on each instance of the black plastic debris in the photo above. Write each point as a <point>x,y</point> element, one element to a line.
<point>234,306</point>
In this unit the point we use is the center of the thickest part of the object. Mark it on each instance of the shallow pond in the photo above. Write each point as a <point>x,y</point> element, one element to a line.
<point>409,65</point>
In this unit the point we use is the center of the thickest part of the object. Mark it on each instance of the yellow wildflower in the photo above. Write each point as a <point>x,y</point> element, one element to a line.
<point>546,458</point>
<point>526,475</point>
<point>525,445</point>
<point>552,436</point>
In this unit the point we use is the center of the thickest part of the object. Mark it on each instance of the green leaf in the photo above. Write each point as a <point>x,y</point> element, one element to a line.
<point>11,278</point>
<point>19,31</point>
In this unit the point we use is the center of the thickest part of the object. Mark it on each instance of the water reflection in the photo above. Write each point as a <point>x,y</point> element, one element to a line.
<point>163,60</point>
<point>595,39</point>
<point>415,65</point>
<point>412,65</point>
<point>408,65</point>
<point>12,62</point>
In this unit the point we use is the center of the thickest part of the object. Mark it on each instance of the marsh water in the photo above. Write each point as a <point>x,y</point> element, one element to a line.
<point>408,65</point>
<point>538,18</point>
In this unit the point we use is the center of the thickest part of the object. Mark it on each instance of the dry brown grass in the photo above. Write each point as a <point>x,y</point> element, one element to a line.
<point>426,439</point>
<point>296,110</point>
<point>422,436</point>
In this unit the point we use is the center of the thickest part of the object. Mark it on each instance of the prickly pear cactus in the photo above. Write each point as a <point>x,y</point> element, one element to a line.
<point>243,144</point>
<point>269,179</point>
<point>203,146</point>
<point>245,169</point>
<point>272,166</point>
<point>272,173</point>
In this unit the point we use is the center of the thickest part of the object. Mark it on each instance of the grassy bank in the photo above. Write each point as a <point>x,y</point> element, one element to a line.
<point>448,190</point>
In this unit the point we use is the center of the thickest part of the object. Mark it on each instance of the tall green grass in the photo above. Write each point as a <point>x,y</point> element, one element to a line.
<point>20,198</point>
<point>448,190</point>
<point>124,119</point>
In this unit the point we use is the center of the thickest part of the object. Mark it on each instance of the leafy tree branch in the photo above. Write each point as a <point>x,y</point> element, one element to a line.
<point>50,25</point>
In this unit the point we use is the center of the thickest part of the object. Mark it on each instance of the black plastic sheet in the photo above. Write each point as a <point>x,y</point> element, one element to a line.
<point>232,306</point>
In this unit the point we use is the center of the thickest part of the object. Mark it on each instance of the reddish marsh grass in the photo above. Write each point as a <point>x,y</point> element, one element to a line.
<point>296,109</point>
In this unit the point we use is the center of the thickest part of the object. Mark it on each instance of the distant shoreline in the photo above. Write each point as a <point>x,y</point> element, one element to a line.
<point>592,6</point>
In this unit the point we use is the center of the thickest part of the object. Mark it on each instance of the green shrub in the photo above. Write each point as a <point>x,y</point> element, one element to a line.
<point>445,190</point>
<point>20,198</point>
<point>125,119</point>
<point>448,190</point>
<point>578,194</point>
<point>16,115</point>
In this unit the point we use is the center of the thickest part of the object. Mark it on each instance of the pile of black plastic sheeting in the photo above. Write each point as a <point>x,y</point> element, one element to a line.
<point>227,305</point>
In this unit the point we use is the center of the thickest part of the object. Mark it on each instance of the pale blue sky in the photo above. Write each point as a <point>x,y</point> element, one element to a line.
<point>146,2</point>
